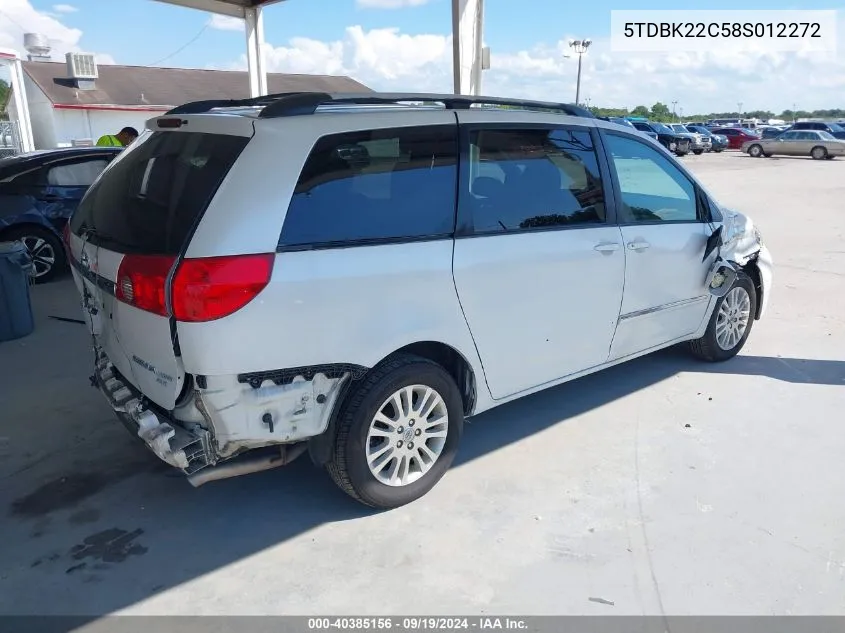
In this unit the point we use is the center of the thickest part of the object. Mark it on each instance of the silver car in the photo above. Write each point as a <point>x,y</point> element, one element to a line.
<point>818,144</point>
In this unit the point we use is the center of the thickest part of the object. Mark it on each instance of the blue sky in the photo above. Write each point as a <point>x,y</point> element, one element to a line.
<point>406,48</point>
<point>124,27</point>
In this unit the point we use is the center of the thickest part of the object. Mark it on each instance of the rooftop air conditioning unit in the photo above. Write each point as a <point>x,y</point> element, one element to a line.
<point>81,66</point>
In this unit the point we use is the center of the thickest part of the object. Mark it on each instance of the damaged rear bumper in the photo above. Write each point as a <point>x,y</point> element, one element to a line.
<point>187,450</point>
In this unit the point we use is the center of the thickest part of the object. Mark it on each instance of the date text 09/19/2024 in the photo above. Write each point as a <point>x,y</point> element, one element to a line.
<point>416,624</point>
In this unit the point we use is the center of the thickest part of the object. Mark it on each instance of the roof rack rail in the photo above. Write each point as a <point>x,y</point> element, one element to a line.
<point>198,107</point>
<point>299,103</point>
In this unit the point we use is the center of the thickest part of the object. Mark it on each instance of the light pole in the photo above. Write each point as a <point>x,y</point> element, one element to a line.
<point>674,116</point>
<point>682,116</point>
<point>740,111</point>
<point>580,47</point>
<point>794,105</point>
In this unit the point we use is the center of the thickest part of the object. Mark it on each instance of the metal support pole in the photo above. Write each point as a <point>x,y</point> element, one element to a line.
<point>578,82</point>
<point>254,20</point>
<point>21,105</point>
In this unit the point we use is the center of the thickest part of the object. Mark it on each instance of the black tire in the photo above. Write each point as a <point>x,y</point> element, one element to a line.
<point>707,347</point>
<point>698,152</point>
<point>46,242</point>
<point>819,153</point>
<point>348,465</point>
<point>756,151</point>
<point>719,150</point>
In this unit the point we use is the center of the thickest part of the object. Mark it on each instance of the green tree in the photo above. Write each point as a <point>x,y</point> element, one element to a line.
<point>4,97</point>
<point>641,110</point>
<point>661,112</point>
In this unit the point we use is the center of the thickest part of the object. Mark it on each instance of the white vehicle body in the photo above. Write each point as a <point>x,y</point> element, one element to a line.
<point>506,312</point>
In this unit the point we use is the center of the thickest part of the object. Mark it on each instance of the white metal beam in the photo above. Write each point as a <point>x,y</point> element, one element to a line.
<point>254,20</point>
<point>212,6</point>
<point>467,43</point>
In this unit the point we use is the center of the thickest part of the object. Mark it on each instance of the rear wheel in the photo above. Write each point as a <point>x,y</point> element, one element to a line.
<point>818,153</point>
<point>755,151</point>
<point>397,433</point>
<point>44,247</point>
<point>698,152</point>
<point>730,324</point>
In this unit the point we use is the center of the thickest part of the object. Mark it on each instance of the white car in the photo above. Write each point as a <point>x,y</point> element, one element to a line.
<point>353,277</point>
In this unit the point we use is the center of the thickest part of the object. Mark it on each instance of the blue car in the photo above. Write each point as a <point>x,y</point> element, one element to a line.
<point>38,193</point>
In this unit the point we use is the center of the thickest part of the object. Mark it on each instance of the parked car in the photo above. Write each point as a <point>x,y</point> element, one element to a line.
<point>834,129</point>
<point>820,145</point>
<point>623,121</point>
<point>699,143</point>
<point>773,131</point>
<point>253,293</point>
<point>736,136</point>
<point>718,142</point>
<point>38,193</point>
<point>679,144</point>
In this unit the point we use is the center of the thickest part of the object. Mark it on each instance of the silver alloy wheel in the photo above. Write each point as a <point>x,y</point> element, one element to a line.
<point>819,153</point>
<point>732,320</point>
<point>756,151</point>
<point>42,253</point>
<point>407,435</point>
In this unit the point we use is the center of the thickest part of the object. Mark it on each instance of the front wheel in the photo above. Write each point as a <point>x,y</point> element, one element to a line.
<point>730,324</point>
<point>397,433</point>
<point>698,152</point>
<point>755,151</point>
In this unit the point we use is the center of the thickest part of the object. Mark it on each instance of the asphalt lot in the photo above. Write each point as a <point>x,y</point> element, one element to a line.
<point>664,486</point>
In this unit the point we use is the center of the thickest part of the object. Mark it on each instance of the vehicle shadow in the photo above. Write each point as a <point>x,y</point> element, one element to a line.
<point>182,533</point>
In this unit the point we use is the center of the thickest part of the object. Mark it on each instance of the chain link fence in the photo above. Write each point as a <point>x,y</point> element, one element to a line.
<point>10,139</point>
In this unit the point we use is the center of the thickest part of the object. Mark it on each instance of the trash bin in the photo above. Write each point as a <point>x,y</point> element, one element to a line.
<point>16,319</point>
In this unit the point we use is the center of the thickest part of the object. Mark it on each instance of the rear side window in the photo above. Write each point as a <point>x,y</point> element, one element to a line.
<point>151,197</point>
<point>76,174</point>
<point>528,179</point>
<point>375,186</point>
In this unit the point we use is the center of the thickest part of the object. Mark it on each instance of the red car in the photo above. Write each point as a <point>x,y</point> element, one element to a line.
<point>736,136</point>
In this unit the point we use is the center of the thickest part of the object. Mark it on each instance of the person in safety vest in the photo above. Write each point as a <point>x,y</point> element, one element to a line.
<point>121,139</point>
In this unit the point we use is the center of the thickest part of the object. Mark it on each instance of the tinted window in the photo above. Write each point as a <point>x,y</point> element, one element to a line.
<point>532,178</point>
<point>661,129</point>
<point>790,136</point>
<point>75,174</point>
<point>375,185</point>
<point>827,136</point>
<point>653,189</point>
<point>150,197</point>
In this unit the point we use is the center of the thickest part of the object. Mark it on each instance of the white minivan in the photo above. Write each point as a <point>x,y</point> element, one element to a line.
<point>354,275</point>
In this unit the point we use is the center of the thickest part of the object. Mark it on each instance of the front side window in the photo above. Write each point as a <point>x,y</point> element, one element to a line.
<point>653,189</point>
<point>532,178</point>
<point>375,185</point>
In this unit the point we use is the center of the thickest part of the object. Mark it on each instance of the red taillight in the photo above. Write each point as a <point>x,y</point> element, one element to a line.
<point>210,288</point>
<point>141,281</point>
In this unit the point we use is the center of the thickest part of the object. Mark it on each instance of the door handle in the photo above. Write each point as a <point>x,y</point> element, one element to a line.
<point>606,247</point>
<point>638,246</point>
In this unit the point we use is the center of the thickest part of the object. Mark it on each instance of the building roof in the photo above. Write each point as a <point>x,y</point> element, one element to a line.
<point>144,86</point>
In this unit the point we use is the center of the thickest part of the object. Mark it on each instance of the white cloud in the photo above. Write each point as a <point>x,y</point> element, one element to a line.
<point>389,4</point>
<point>20,17</point>
<point>388,59</point>
<point>64,8</point>
<point>226,23</point>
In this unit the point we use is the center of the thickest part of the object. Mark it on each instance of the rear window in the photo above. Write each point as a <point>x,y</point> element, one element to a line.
<point>375,186</point>
<point>151,197</point>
